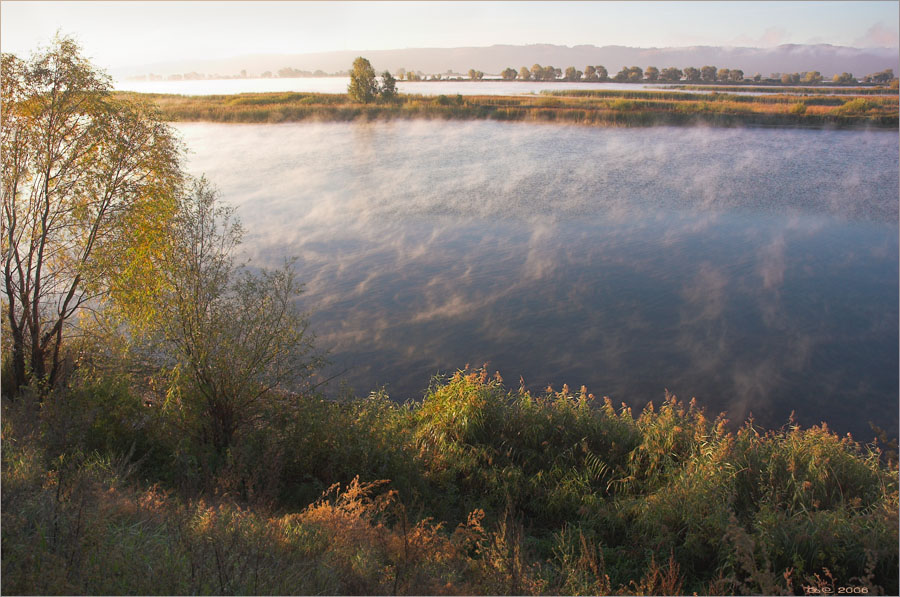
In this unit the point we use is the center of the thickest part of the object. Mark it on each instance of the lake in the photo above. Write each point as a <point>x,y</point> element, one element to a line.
<point>753,269</point>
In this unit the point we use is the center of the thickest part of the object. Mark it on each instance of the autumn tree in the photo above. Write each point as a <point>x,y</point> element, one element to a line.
<point>551,73</point>
<point>475,75</point>
<point>632,74</point>
<point>573,74</point>
<point>509,74</point>
<point>736,75</point>
<point>723,74</point>
<point>88,186</point>
<point>692,74</point>
<point>545,73</point>
<point>708,74</point>
<point>844,79</point>
<point>812,77</point>
<point>884,76</point>
<point>525,73</point>
<point>652,73</point>
<point>590,73</point>
<point>363,86</point>
<point>671,74</point>
<point>602,73</point>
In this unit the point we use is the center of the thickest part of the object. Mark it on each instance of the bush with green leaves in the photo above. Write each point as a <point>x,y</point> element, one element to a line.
<point>223,339</point>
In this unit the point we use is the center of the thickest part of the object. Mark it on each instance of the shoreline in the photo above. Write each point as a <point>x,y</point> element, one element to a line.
<point>615,108</point>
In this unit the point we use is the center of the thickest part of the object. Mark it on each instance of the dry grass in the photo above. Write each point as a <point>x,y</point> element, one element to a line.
<point>584,107</point>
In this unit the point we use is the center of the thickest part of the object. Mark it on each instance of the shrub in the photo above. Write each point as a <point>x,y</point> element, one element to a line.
<point>859,105</point>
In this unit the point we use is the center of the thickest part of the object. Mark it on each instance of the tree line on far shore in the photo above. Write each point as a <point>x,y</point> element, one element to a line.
<point>705,74</point>
<point>652,74</point>
<point>364,86</point>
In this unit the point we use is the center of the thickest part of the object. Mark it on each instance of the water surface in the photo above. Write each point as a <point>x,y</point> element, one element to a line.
<point>755,269</point>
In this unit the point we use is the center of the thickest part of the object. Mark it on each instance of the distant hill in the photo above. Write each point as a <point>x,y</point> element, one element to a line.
<point>825,58</point>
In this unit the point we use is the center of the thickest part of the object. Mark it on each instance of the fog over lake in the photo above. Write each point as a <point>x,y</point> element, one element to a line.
<point>756,269</point>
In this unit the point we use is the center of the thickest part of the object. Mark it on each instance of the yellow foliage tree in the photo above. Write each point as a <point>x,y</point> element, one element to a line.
<point>88,182</point>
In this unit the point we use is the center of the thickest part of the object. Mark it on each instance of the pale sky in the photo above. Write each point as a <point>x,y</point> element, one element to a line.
<point>121,34</point>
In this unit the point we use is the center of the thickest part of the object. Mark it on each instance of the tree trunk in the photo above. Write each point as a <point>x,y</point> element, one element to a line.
<point>18,360</point>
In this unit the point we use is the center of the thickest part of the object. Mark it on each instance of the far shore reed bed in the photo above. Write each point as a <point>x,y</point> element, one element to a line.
<point>580,107</point>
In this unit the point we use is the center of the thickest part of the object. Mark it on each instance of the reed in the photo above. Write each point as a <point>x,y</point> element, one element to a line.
<point>836,90</point>
<point>581,107</point>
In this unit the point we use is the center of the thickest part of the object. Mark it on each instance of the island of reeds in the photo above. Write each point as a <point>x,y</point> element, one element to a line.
<point>576,107</point>
<point>164,430</point>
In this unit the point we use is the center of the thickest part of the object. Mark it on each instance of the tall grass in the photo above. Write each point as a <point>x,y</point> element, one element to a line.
<point>583,107</point>
<point>477,489</point>
<point>836,90</point>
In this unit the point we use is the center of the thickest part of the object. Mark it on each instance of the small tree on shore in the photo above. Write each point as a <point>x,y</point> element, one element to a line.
<point>573,74</point>
<point>708,74</point>
<point>812,77</point>
<point>844,79</point>
<point>671,74</point>
<point>227,338</point>
<point>509,74</point>
<point>388,89</point>
<point>363,86</point>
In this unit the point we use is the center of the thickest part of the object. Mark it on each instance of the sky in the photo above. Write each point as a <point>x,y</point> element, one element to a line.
<point>122,34</point>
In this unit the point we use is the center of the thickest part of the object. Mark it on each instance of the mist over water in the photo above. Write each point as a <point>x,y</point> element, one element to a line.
<point>754,269</point>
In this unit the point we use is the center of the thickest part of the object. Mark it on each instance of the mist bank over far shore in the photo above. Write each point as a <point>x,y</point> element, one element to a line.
<point>826,58</point>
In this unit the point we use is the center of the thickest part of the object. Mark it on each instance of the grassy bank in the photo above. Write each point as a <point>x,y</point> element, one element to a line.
<point>478,489</point>
<point>581,107</point>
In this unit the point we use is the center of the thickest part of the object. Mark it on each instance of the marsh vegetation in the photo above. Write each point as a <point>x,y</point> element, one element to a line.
<point>583,107</point>
<point>164,425</point>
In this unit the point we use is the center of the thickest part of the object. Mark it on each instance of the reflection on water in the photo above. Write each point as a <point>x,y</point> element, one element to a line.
<point>753,269</point>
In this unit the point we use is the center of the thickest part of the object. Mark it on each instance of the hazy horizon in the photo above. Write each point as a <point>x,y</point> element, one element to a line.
<point>129,35</point>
